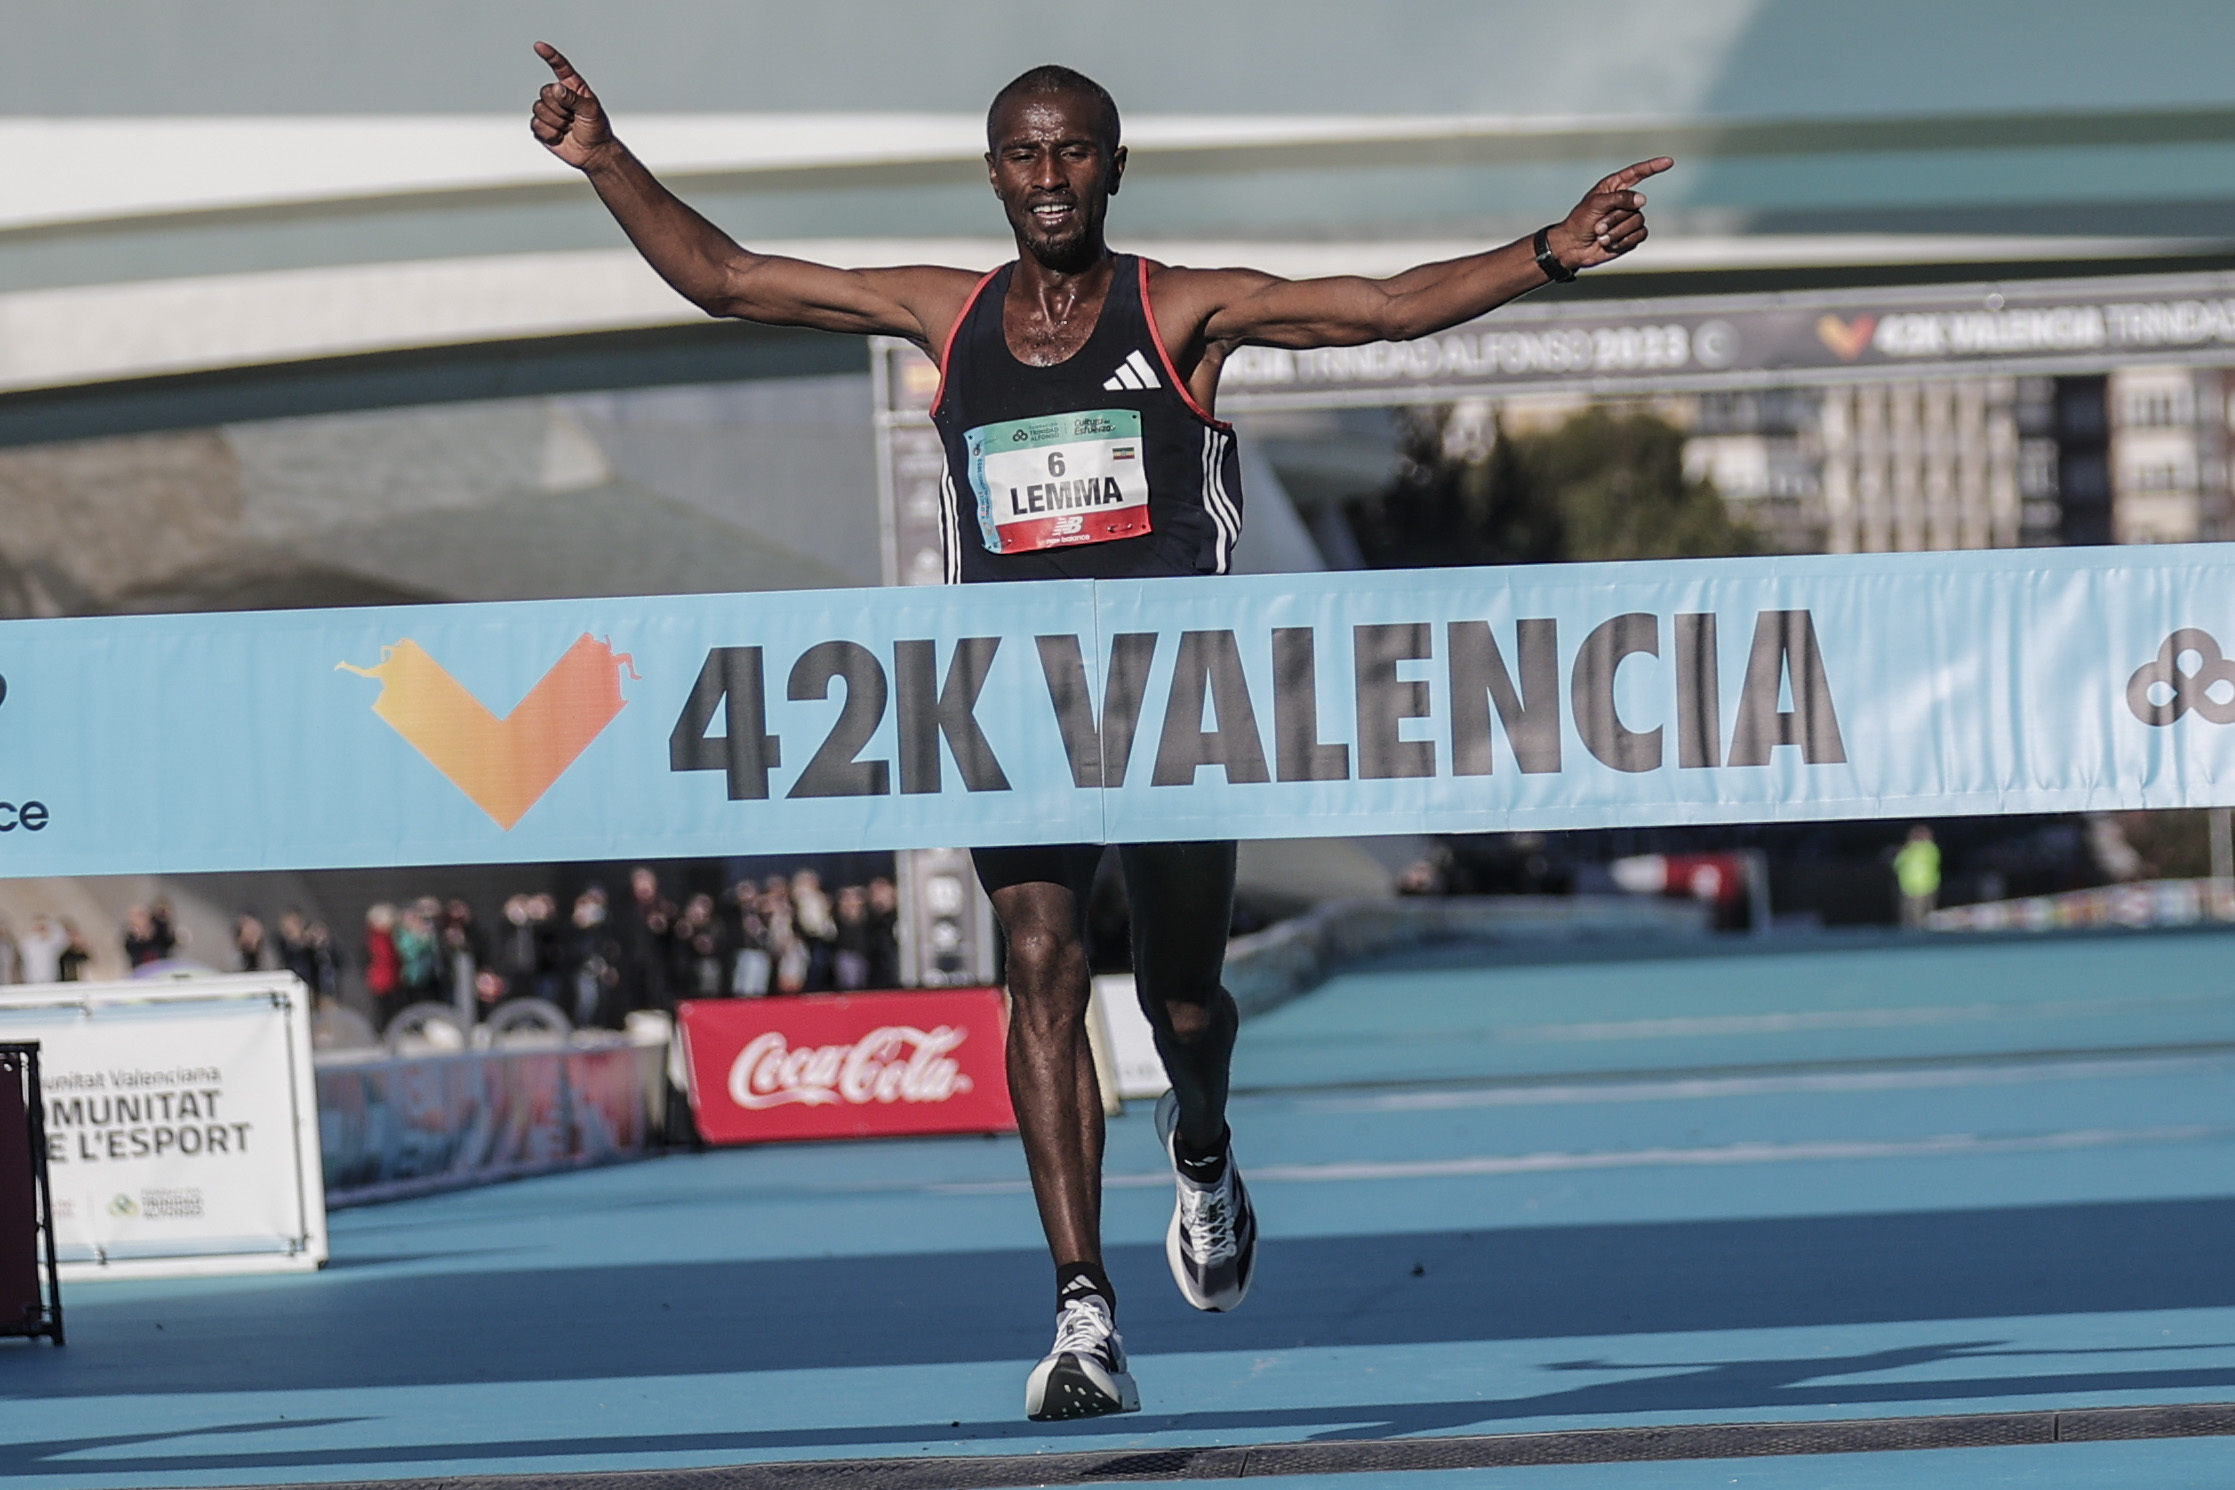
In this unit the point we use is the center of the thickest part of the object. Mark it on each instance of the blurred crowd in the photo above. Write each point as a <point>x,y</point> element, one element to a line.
<point>598,960</point>
<point>51,949</point>
<point>606,956</point>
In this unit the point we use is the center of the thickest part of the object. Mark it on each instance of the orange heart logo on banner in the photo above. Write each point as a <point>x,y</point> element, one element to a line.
<point>505,765</point>
<point>1850,339</point>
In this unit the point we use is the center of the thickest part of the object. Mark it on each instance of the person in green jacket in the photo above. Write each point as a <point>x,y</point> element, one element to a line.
<point>1917,872</point>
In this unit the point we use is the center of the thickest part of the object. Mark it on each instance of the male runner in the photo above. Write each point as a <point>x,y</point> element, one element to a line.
<point>1080,362</point>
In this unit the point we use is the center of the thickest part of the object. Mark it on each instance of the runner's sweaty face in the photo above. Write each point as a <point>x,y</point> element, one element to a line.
<point>1055,167</point>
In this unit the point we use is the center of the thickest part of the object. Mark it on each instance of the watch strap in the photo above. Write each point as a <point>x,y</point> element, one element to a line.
<point>1548,261</point>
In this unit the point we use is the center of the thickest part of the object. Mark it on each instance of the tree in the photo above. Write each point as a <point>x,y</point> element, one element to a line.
<point>1603,485</point>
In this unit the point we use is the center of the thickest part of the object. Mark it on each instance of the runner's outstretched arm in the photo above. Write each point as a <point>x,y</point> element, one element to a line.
<point>1239,307</point>
<point>706,266</point>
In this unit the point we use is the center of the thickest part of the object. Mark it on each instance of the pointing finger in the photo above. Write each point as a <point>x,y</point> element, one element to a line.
<point>561,69</point>
<point>1632,175</point>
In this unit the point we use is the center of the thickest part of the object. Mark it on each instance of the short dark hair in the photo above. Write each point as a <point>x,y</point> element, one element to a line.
<point>1053,77</point>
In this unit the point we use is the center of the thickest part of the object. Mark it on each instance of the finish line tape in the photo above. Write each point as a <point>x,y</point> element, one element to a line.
<point>1448,700</point>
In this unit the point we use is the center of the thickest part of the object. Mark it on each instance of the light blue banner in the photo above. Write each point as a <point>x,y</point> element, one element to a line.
<point>1444,700</point>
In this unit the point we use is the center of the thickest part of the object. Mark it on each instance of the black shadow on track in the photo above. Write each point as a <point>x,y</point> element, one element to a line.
<point>364,1328</point>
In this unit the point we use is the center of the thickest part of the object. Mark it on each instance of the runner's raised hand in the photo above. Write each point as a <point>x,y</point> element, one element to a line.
<point>568,119</point>
<point>1609,221</point>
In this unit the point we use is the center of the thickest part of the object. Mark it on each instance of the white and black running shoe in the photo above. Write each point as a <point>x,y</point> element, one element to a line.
<point>1212,1241</point>
<point>1084,1376</point>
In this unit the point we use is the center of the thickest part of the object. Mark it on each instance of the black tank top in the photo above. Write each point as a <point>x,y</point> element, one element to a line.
<point>1101,467</point>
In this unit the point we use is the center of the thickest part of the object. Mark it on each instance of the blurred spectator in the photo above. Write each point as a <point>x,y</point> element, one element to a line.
<point>850,940</point>
<point>10,965</point>
<point>146,939</point>
<point>383,973</point>
<point>70,965</point>
<point>167,930</point>
<point>323,960</point>
<point>817,927</point>
<point>464,953</point>
<point>1917,872</point>
<point>643,928</point>
<point>248,942</point>
<point>295,955</point>
<point>418,952</point>
<point>593,963</point>
<point>549,940</point>
<point>461,961</point>
<point>884,934</point>
<point>701,951</point>
<point>39,951</point>
<point>785,945</point>
<point>1422,877</point>
<point>515,959</point>
<point>752,968</point>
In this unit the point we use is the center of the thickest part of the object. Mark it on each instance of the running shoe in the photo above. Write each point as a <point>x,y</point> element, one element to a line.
<point>1212,1241</point>
<point>1084,1376</point>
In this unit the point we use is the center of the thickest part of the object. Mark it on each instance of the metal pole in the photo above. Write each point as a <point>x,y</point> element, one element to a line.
<point>1757,890</point>
<point>946,922</point>
<point>2222,821</point>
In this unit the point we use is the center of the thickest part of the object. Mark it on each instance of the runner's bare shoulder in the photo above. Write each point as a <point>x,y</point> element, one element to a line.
<point>1184,299</point>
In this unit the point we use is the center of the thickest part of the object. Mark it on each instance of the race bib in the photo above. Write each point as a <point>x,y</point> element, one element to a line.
<point>1059,480</point>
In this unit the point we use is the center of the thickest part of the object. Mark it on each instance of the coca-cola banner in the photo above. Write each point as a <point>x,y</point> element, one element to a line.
<point>848,1066</point>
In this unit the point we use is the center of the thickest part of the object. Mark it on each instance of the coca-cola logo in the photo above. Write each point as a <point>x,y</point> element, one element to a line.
<point>896,1063</point>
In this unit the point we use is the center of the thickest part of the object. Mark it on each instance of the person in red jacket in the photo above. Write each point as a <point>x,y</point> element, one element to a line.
<point>383,968</point>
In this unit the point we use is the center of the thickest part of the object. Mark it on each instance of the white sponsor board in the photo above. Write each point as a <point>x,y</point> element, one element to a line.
<point>1134,1063</point>
<point>181,1123</point>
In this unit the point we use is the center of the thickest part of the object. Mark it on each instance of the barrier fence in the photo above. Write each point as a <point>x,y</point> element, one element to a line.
<point>410,1124</point>
<point>1270,706</point>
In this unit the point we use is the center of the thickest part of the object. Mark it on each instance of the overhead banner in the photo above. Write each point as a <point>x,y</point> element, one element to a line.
<point>1448,700</point>
<point>181,1124</point>
<point>1721,341</point>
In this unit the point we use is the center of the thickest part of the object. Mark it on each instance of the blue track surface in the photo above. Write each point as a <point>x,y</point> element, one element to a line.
<point>1857,1179</point>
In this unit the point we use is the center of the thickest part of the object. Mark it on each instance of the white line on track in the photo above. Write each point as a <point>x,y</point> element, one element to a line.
<point>1735,1153</point>
<point>1684,1088</point>
<point>1787,1021</point>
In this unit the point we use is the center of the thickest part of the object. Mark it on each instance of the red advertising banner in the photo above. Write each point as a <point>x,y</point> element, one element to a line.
<point>848,1065</point>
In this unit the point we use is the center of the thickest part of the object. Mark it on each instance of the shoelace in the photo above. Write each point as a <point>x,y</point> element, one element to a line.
<point>1084,1325</point>
<point>1209,1223</point>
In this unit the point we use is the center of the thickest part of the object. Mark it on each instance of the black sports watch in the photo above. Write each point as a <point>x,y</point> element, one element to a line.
<point>1548,261</point>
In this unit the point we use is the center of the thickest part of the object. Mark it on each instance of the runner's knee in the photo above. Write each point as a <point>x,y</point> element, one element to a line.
<point>1188,1022</point>
<point>1044,964</point>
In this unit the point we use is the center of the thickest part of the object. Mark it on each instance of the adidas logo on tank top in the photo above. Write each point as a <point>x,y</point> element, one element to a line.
<point>1133,372</point>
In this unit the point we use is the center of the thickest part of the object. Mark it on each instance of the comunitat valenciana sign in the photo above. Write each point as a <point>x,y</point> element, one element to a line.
<point>847,1066</point>
<point>1445,700</point>
<point>181,1123</point>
